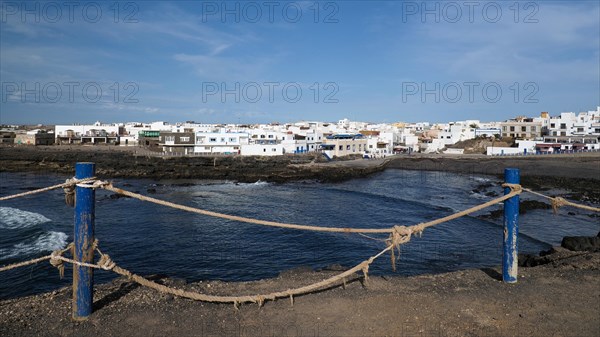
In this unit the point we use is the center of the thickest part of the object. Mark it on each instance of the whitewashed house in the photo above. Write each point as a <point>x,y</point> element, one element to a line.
<point>455,132</point>
<point>344,144</point>
<point>562,125</point>
<point>220,142</point>
<point>87,133</point>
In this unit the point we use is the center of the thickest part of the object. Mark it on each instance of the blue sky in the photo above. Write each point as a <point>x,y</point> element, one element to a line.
<point>371,61</point>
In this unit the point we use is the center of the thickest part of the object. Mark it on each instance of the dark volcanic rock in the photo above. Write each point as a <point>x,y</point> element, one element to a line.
<point>529,205</point>
<point>117,196</point>
<point>582,243</point>
<point>524,207</point>
<point>119,163</point>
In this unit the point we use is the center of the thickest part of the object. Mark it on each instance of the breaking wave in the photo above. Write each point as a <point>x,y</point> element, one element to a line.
<point>14,218</point>
<point>46,242</point>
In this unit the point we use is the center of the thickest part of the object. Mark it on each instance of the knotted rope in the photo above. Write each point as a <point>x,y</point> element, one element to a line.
<point>50,257</point>
<point>558,202</point>
<point>401,235</point>
<point>58,263</point>
<point>69,182</point>
<point>70,192</point>
<point>107,264</point>
<point>108,186</point>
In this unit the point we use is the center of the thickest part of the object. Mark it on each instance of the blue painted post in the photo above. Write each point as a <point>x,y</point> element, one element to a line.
<point>83,277</point>
<point>511,229</point>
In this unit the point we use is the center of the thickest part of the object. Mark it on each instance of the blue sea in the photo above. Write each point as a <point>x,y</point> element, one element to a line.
<point>151,239</point>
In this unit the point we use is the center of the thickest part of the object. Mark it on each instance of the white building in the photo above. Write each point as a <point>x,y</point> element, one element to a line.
<point>78,130</point>
<point>97,133</point>
<point>523,147</point>
<point>220,142</point>
<point>380,145</point>
<point>344,144</point>
<point>455,132</point>
<point>260,149</point>
<point>562,125</point>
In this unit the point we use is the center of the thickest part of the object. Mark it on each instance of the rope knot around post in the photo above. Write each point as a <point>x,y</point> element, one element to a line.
<point>70,192</point>
<point>516,188</point>
<point>95,184</point>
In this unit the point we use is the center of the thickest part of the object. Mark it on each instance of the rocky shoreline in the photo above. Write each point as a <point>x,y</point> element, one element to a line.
<point>578,174</point>
<point>134,163</point>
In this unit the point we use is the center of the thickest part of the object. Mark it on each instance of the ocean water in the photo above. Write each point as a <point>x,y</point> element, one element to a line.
<point>150,239</point>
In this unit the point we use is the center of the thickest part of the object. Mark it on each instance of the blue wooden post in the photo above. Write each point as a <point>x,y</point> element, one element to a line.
<point>83,277</point>
<point>511,229</point>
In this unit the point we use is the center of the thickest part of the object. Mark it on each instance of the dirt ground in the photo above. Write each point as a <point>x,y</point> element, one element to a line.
<point>560,298</point>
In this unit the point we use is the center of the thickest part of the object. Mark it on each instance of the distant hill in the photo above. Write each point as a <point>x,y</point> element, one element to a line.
<point>479,145</point>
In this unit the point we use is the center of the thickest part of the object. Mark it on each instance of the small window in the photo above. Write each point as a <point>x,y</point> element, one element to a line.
<point>184,139</point>
<point>212,140</point>
<point>232,139</point>
<point>341,147</point>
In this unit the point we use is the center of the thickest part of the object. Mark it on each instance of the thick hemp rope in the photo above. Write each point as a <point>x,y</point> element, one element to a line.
<point>515,190</point>
<point>398,235</point>
<point>106,263</point>
<point>558,202</point>
<point>69,182</point>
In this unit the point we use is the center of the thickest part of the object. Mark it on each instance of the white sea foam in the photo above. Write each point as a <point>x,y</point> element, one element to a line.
<point>482,179</point>
<point>14,218</point>
<point>255,184</point>
<point>46,242</point>
<point>477,195</point>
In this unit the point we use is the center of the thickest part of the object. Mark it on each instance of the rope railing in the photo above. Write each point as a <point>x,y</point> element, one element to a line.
<point>67,184</point>
<point>515,190</point>
<point>398,235</point>
<point>106,263</point>
<point>558,202</point>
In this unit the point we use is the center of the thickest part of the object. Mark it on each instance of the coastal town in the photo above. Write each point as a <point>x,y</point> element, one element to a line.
<point>545,134</point>
<point>299,168</point>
